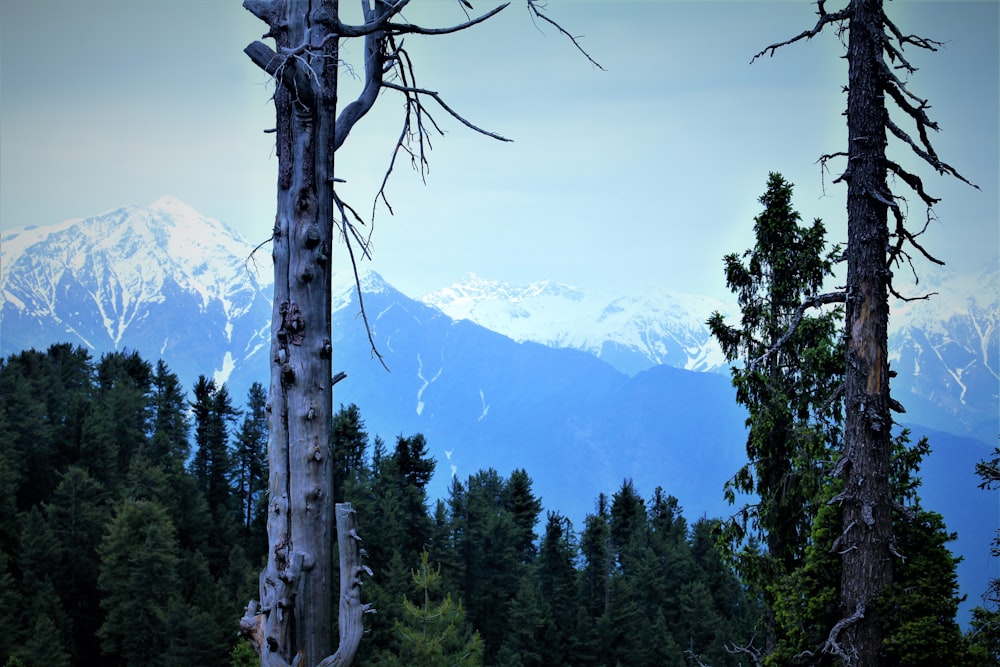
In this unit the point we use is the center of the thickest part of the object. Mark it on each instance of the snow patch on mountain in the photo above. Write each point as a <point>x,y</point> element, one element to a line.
<point>631,333</point>
<point>161,279</point>
<point>961,312</point>
<point>946,347</point>
<point>125,258</point>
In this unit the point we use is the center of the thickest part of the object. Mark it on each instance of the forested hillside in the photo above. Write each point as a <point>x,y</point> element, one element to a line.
<point>132,534</point>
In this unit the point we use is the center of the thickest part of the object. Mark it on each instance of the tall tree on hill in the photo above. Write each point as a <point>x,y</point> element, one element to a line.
<point>557,578</point>
<point>251,456</point>
<point>789,391</point>
<point>212,465</point>
<point>169,444</point>
<point>875,53</point>
<point>118,424</point>
<point>311,126</point>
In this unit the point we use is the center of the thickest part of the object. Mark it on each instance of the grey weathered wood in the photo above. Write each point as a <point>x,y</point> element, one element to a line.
<point>293,624</point>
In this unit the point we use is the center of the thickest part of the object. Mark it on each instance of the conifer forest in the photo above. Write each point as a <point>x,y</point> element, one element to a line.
<point>133,529</point>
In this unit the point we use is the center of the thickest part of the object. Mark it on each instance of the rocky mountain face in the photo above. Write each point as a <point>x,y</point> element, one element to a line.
<point>946,351</point>
<point>631,333</point>
<point>162,279</point>
<point>581,390</point>
<point>944,348</point>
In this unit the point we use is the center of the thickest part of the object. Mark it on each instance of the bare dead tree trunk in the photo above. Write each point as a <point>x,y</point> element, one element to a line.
<point>297,587</point>
<point>293,624</point>
<point>873,248</point>
<point>867,500</point>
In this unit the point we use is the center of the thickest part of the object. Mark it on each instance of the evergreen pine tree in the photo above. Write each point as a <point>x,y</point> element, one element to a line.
<point>529,627</point>
<point>433,630</point>
<point>169,445</point>
<point>595,546</point>
<point>414,468</point>
<point>487,545</point>
<point>789,379</point>
<point>139,577</point>
<point>350,443</point>
<point>251,462</point>
<point>212,467</point>
<point>524,507</point>
<point>119,422</point>
<point>558,582</point>
<point>76,516</point>
<point>787,384</point>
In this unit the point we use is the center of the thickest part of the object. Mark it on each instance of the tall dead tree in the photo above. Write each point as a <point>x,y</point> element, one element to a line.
<point>875,245</point>
<point>293,622</point>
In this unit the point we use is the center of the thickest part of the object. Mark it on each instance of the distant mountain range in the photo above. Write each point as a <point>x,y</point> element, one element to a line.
<point>944,348</point>
<point>631,333</point>
<point>581,390</point>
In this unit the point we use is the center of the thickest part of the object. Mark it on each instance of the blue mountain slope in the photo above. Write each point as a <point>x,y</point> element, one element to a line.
<point>575,423</point>
<point>578,426</point>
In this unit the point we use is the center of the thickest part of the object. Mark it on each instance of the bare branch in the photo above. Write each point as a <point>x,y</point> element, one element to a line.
<point>403,28</point>
<point>375,56</point>
<point>452,112</point>
<point>382,22</point>
<point>376,20</point>
<point>749,650</point>
<point>814,302</point>
<point>928,154</point>
<point>824,20</point>
<point>347,232</point>
<point>832,645</point>
<point>920,42</point>
<point>533,7</point>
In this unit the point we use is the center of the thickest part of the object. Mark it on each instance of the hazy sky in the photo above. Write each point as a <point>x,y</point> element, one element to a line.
<point>642,175</point>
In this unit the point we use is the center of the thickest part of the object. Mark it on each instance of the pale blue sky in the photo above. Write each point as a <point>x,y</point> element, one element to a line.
<point>643,175</point>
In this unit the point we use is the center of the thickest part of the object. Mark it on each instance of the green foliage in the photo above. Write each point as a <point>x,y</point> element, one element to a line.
<point>139,577</point>
<point>213,468</point>
<point>433,630</point>
<point>789,389</point>
<point>789,380</point>
<point>349,441</point>
<point>243,655</point>
<point>105,533</point>
<point>917,612</point>
<point>251,471</point>
<point>126,566</point>
<point>984,634</point>
<point>984,637</point>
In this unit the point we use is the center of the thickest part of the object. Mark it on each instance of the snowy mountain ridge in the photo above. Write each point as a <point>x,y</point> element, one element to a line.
<point>165,279</point>
<point>126,257</point>
<point>632,333</point>
<point>169,283</point>
<point>144,277</point>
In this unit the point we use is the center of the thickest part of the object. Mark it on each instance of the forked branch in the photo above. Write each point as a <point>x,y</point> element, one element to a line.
<point>814,302</point>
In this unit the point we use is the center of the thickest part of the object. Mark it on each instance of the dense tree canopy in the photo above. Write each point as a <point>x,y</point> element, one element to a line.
<point>134,559</point>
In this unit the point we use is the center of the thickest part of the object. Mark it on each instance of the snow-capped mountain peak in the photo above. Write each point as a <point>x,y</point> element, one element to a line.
<point>100,279</point>
<point>631,333</point>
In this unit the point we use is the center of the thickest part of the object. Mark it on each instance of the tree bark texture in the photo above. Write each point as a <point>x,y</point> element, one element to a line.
<point>297,588</point>
<point>866,501</point>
